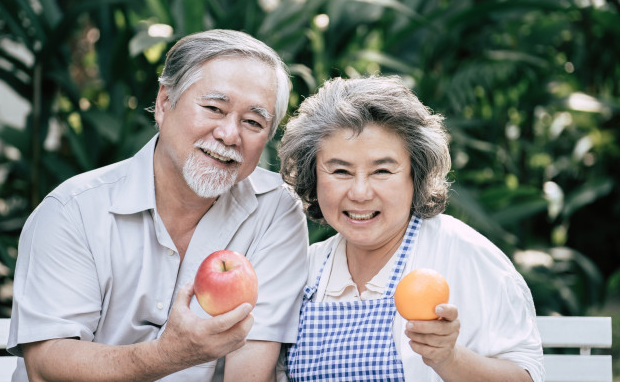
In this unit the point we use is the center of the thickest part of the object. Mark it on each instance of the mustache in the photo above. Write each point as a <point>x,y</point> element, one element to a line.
<point>219,149</point>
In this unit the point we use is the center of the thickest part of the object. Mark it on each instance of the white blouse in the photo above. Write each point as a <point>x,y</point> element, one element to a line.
<point>495,305</point>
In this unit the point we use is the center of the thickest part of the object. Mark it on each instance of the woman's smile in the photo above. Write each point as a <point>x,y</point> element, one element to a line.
<point>364,185</point>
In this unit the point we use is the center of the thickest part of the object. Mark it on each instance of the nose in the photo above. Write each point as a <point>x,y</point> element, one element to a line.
<point>228,131</point>
<point>361,189</point>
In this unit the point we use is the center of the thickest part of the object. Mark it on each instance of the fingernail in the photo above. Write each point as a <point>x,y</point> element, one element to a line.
<point>247,308</point>
<point>409,325</point>
<point>439,310</point>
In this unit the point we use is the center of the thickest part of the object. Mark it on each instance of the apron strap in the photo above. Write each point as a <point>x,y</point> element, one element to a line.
<point>309,291</point>
<point>403,254</point>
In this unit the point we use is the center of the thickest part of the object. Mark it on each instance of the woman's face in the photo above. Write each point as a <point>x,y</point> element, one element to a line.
<point>364,186</point>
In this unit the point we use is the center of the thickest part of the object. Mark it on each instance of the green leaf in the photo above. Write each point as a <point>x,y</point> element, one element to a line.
<point>385,60</point>
<point>143,41</point>
<point>106,124</point>
<point>471,211</point>
<point>586,194</point>
<point>17,138</point>
<point>520,211</point>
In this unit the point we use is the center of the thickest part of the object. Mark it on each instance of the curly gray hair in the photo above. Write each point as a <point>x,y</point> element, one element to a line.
<point>354,104</point>
<point>184,63</point>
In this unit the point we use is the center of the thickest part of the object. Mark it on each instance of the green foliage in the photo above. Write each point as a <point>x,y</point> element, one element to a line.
<point>530,90</point>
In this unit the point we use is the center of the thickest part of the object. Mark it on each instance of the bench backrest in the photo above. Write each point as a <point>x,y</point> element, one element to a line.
<point>7,364</point>
<point>583,333</point>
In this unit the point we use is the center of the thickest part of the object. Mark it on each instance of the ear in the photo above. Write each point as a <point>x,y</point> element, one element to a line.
<point>162,104</point>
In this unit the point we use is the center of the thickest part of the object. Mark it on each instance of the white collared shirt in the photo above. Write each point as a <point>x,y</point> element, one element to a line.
<point>495,305</point>
<point>340,285</point>
<point>97,263</point>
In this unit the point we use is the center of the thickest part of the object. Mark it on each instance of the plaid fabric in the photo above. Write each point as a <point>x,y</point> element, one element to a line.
<point>350,341</point>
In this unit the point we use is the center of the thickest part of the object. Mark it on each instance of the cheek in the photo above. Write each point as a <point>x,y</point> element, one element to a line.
<point>399,195</point>
<point>253,147</point>
<point>327,195</point>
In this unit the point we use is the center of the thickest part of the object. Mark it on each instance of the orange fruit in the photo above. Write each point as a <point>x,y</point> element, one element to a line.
<point>419,292</point>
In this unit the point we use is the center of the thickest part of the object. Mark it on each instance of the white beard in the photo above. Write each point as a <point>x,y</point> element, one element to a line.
<point>210,181</point>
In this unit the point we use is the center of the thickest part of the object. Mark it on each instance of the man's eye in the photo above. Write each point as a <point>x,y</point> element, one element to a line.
<point>254,123</point>
<point>213,109</point>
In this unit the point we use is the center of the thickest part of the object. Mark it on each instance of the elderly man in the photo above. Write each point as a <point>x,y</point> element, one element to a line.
<point>103,285</point>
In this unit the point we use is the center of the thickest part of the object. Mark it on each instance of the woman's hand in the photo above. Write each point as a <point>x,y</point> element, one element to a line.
<point>435,340</point>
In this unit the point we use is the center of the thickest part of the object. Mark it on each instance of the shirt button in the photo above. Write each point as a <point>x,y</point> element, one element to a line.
<point>160,305</point>
<point>170,252</point>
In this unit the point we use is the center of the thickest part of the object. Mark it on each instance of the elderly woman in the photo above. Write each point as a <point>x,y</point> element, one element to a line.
<point>368,159</point>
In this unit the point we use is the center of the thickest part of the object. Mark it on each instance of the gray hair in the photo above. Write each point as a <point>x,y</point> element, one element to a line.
<point>185,59</point>
<point>354,104</point>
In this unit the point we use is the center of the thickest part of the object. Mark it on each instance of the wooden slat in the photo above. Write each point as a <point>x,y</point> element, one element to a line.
<point>578,368</point>
<point>7,365</point>
<point>4,332</point>
<point>575,332</point>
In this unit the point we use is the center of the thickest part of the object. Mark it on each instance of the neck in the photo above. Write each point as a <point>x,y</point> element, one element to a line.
<point>178,205</point>
<point>365,263</point>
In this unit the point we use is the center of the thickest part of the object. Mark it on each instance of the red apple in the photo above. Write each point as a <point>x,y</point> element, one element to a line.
<point>225,280</point>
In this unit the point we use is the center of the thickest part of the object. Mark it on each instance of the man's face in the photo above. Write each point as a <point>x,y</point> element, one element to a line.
<point>217,131</point>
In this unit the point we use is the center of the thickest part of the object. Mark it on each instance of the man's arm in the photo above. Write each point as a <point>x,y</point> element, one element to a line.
<point>254,362</point>
<point>187,341</point>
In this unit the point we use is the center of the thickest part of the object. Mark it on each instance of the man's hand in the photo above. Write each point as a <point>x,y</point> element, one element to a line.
<point>435,340</point>
<point>194,340</point>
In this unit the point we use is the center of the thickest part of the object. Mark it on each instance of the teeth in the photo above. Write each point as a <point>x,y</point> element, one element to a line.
<point>355,216</point>
<point>216,156</point>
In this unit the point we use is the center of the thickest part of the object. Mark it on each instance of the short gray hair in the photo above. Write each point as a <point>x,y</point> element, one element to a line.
<point>354,104</point>
<point>185,59</point>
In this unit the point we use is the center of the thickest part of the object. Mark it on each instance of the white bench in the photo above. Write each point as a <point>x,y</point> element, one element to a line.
<point>584,333</point>
<point>7,364</point>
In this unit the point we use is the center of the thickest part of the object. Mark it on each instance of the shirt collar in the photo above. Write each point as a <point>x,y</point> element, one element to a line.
<point>137,192</point>
<point>340,278</point>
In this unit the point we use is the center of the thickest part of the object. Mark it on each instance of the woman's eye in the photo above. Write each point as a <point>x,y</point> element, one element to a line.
<point>340,172</point>
<point>383,171</point>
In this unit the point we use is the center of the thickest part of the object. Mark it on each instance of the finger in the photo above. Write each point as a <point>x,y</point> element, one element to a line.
<point>184,296</point>
<point>447,312</point>
<point>225,321</point>
<point>435,327</point>
<point>434,340</point>
<point>431,356</point>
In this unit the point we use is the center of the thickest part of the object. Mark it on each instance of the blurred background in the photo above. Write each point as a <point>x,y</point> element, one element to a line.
<point>530,90</point>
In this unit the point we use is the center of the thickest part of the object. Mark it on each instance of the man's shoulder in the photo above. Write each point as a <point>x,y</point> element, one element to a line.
<point>94,179</point>
<point>263,180</point>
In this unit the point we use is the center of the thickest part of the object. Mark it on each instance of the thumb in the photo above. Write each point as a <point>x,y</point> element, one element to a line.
<point>447,312</point>
<point>184,295</point>
<point>225,321</point>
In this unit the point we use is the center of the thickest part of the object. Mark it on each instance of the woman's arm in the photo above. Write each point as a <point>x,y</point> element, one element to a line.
<point>254,362</point>
<point>435,341</point>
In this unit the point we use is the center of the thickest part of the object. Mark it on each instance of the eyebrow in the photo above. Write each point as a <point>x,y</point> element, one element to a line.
<point>262,112</point>
<point>222,97</point>
<point>376,162</point>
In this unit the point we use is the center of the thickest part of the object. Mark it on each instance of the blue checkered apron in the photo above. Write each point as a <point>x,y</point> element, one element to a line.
<point>350,341</point>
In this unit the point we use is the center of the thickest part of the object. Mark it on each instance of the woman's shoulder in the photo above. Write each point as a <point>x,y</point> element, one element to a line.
<point>453,243</point>
<point>317,253</point>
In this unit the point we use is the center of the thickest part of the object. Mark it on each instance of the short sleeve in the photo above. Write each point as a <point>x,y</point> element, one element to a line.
<point>281,266</point>
<point>56,290</point>
<point>514,328</point>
